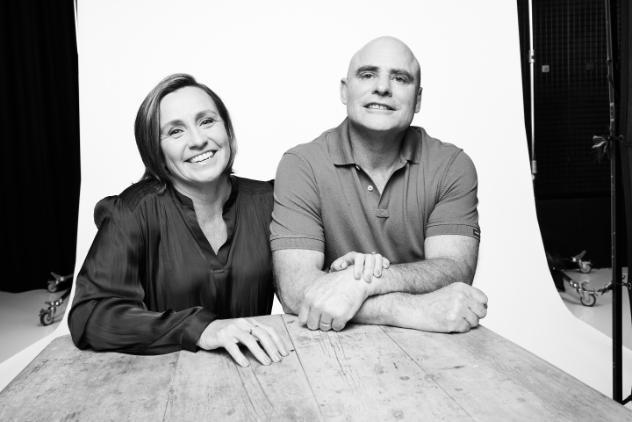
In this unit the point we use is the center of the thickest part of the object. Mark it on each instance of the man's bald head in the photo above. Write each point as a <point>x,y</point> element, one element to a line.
<point>382,89</point>
<point>384,47</point>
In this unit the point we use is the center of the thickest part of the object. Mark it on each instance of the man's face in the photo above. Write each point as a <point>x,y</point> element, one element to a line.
<point>382,90</point>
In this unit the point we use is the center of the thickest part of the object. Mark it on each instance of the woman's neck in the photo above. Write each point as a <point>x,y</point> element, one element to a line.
<point>209,196</point>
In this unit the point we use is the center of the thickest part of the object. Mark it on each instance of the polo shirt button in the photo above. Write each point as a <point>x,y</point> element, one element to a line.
<point>370,188</point>
<point>357,167</point>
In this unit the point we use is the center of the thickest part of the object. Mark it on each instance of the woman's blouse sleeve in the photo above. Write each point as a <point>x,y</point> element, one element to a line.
<point>108,311</point>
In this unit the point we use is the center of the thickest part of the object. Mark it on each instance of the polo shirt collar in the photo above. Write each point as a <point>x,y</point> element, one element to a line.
<point>340,145</point>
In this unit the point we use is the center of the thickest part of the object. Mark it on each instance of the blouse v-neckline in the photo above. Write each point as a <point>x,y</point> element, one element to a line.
<point>229,214</point>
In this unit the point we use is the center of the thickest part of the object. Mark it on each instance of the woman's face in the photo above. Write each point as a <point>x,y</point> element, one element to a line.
<point>193,137</point>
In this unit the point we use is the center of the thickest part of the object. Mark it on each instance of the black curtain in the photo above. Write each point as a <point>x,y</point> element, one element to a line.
<point>624,78</point>
<point>39,156</point>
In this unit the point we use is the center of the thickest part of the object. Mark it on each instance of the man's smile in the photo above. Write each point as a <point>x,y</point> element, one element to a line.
<point>379,106</point>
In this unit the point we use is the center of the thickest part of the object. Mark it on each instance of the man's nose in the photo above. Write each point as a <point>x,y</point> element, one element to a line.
<point>197,139</point>
<point>383,85</point>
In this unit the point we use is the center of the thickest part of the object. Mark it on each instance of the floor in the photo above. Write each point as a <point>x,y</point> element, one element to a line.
<point>20,322</point>
<point>599,315</point>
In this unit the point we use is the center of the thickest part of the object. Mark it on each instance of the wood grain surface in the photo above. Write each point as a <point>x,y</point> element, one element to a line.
<point>363,373</point>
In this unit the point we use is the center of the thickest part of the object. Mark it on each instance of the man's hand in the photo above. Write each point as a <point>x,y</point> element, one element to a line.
<point>365,265</point>
<point>457,307</point>
<point>332,301</point>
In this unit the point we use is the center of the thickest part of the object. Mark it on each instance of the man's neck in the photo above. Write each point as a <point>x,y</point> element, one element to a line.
<point>375,150</point>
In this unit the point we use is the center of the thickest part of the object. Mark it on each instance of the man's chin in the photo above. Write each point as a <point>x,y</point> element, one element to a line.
<point>379,126</point>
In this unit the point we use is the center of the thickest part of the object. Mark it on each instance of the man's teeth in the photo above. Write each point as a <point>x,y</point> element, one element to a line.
<point>379,107</point>
<point>202,157</point>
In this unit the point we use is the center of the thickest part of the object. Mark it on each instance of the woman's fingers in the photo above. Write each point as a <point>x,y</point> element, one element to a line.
<point>236,354</point>
<point>385,262</point>
<point>248,340</point>
<point>280,344</point>
<point>268,344</point>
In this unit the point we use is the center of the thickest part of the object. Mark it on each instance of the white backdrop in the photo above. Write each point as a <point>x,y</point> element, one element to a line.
<point>277,65</point>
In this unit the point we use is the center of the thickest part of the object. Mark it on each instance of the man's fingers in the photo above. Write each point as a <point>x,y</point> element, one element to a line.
<point>478,295</point>
<point>385,263</point>
<point>471,318</point>
<point>236,354</point>
<point>313,319</point>
<point>378,265</point>
<point>303,313</point>
<point>337,324</point>
<point>325,323</point>
<point>479,309</point>
<point>358,266</point>
<point>369,261</point>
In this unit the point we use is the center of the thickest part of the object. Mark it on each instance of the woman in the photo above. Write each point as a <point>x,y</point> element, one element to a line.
<point>185,249</point>
<point>183,254</point>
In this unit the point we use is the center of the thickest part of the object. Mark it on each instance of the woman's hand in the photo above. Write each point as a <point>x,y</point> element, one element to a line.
<point>364,265</point>
<point>227,333</point>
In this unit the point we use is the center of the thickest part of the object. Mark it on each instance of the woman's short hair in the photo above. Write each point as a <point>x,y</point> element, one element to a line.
<point>147,125</point>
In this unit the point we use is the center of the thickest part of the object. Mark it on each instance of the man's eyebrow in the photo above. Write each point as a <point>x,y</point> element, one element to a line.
<point>367,68</point>
<point>403,72</point>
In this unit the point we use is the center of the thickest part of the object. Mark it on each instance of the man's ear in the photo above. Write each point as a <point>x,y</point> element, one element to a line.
<point>418,105</point>
<point>343,90</point>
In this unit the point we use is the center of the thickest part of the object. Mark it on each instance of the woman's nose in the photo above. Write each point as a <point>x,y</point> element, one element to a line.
<point>197,139</point>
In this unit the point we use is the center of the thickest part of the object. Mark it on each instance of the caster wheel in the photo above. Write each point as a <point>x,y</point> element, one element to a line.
<point>585,267</point>
<point>52,287</point>
<point>588,300</point>
<point>46,317</point>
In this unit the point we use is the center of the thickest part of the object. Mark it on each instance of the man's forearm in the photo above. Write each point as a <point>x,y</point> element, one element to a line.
<point>421,277</point>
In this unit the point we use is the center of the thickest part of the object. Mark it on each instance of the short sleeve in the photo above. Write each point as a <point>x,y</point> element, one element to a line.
<point>455,212</point>
<point>108,311</point>
<point>296,218</point>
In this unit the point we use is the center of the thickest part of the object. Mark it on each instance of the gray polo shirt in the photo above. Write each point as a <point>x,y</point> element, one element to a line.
<point>324,201</point>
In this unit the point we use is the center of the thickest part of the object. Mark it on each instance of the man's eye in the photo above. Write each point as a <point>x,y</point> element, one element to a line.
<point>366,75</point>
<point>401,79</point>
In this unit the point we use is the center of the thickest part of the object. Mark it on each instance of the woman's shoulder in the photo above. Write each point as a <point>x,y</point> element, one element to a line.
<point>130,201</point>
<point>254,187</point>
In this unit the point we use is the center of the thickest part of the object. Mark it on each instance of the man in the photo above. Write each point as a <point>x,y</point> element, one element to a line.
<point>377,184</point>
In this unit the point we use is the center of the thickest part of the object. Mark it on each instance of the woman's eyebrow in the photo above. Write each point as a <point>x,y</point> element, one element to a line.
<point>170,123</point>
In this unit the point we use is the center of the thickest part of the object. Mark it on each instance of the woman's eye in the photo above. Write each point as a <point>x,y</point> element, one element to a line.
<point>207,121</point>
<point>175,132</point>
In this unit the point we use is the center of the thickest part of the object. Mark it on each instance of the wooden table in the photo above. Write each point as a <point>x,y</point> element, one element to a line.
<point>363,373</point>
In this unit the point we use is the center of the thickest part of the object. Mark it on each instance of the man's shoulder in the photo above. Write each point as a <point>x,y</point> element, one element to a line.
<point>437,153</point>
<point>431,144</point>
<point>317,146</point>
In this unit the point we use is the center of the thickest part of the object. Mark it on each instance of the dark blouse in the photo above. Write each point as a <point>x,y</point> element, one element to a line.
<point>151,282</point>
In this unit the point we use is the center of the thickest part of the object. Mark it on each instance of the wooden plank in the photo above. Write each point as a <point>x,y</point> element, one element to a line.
<point>65,383</point>
<point>360,374</point>
<point>494,379</point>
<point>210,386</point>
